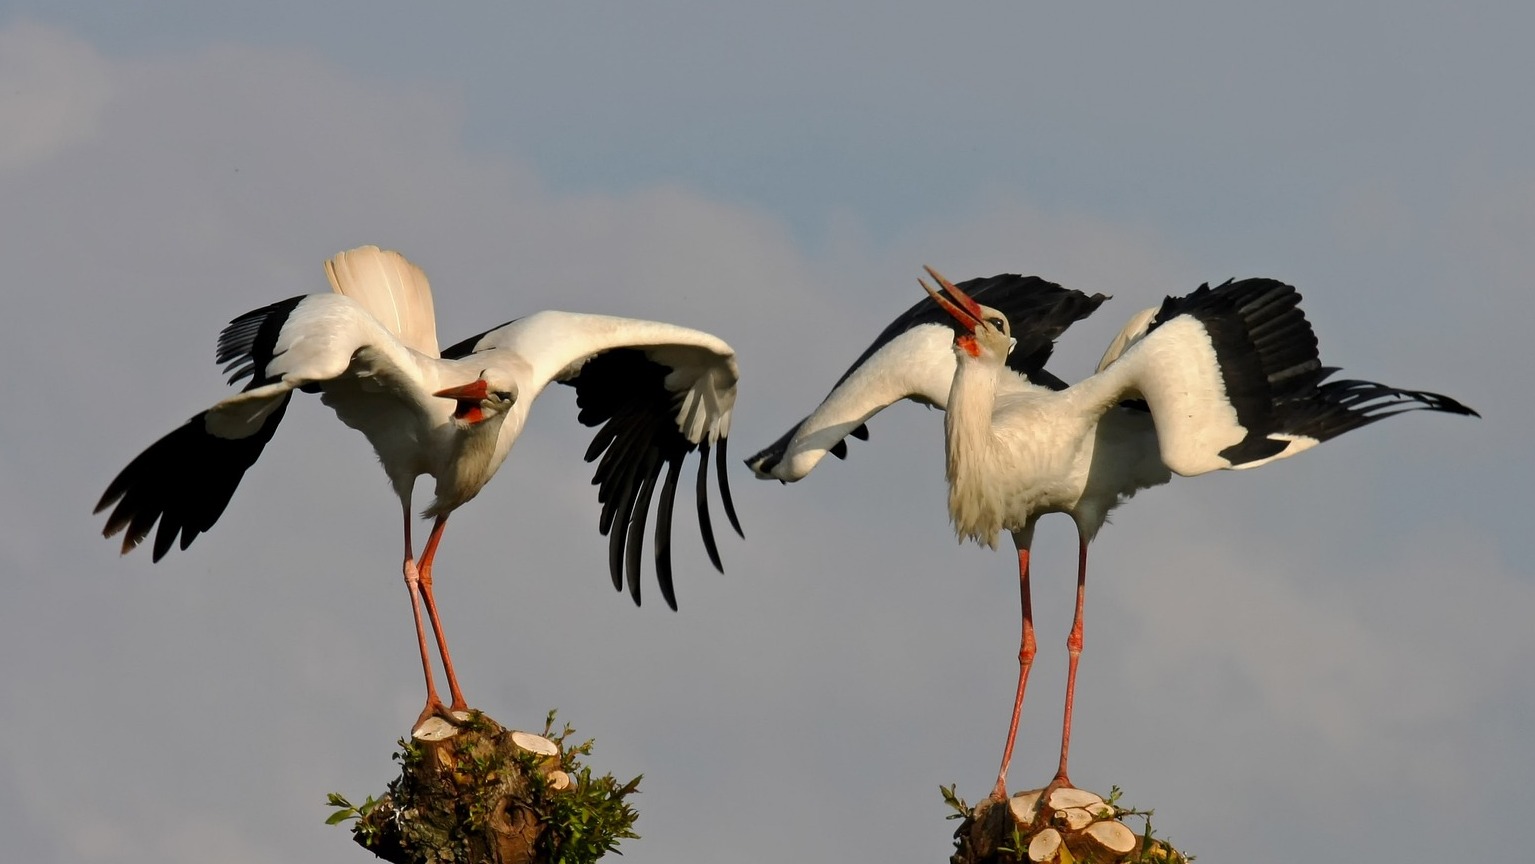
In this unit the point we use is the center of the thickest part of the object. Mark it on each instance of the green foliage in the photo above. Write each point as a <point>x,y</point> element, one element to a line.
<point>475,786</point>
<point>960,808</point>
<point>347,810</point>
<point>1153,850</point>
<point>586,821</point>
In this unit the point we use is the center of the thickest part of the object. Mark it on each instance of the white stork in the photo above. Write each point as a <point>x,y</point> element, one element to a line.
<point>659,392</point>
<point>1227,377</point>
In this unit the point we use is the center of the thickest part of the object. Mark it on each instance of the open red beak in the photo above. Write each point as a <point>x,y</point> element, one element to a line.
<point>468,397</point>
<point>474,391</point>
<point>964,309</point>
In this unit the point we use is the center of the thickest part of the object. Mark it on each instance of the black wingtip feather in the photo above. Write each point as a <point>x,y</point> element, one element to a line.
<point>1272,373</point>
<point>663,539</point>
<point>250,341</point>
<point>636,539</point>
<point>624,393</point>
<point>720,464</point>
<point>183,482</point>
<point>1341,406</point>
<point>705,528</point>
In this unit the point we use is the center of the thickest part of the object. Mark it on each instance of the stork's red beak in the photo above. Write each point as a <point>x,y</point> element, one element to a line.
<point>966,311</point>
<point>473,391</point>
<point>469,397</point>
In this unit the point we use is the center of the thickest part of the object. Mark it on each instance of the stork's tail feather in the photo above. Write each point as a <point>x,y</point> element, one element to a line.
<point>183,481</point>
<point>392,289</point>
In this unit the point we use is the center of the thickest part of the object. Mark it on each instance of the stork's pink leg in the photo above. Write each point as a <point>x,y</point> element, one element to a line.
<point>1073,653</point>
<point>412,583</point>
<point>1025,661</point>
<point>431,610</point>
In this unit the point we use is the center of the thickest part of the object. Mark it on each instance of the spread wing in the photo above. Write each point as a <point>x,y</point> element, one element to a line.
<point>185,480</point>
<point>913,358</point>
<point>658,392</point>
<point>1232,378</point>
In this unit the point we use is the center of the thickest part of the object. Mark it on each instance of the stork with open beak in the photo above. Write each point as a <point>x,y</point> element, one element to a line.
<point>658,391</point>
<point>1224,378</point>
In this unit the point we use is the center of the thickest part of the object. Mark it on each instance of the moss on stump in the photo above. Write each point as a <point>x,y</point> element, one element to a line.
<point>472,792</point>
<point>1067,826</point>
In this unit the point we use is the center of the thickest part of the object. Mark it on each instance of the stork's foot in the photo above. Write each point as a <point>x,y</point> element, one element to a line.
<point>1060,781</point>
<point>454,715</point>
<point>999,792</point>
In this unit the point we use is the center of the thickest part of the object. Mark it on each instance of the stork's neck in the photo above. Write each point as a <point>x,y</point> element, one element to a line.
<point>971,446</point>
<point>972,397</point>
<point>472,459</point>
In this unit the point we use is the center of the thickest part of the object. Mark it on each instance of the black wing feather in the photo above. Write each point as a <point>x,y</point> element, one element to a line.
<point>1273,375</point>
<point>663,539</point>
<point>1038,311</point>
<point>705,525</point>
<point>730,507</point>
<point>185,480</point>
<point>624,392</point>
<point>464,347</point>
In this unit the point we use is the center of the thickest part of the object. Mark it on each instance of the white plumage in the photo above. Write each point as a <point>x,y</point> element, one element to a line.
<point>1226,377</point>
<point>659,392</point>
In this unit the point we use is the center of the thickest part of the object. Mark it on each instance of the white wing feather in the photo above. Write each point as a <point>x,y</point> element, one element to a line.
<point>1132,332</point>
<point>918,364</point>
<point>556,345</point>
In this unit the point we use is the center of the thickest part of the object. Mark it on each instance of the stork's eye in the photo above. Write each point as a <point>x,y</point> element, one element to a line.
<point>503,395</point>
<point>997,322</point>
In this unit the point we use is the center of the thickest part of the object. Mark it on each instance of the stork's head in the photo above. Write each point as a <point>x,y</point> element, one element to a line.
<point>985,332</point>
<point>482,399</point>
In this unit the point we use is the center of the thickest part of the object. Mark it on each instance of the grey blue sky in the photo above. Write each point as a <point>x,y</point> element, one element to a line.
<point>1325,659</point>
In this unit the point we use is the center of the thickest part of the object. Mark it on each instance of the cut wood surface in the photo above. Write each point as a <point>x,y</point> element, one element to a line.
<point>1067,797</point>
<point>1066,825</point>
<point>1045,846</point>
<point>472,792</point>
<point>538,745</point>
<point>1024,807</point>
<point>1073,819</point>
<point>1111,837</point>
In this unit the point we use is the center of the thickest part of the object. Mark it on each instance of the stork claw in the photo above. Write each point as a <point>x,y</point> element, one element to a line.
<point>438,721</point>
<point>455,715</point>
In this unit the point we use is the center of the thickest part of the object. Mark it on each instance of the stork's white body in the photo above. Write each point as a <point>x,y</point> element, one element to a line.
<point>1223,378</point>
<point>370,350</point>
<point>1044,451</point>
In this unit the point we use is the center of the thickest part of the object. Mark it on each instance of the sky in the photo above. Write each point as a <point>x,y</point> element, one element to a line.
<point>1328,658</point>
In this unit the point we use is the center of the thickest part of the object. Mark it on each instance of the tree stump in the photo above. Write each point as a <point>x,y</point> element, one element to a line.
<point>1067,826</point>
<point>471,791</point>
